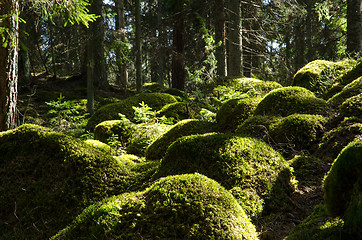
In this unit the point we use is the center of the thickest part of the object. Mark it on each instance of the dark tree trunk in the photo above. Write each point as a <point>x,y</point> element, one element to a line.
<point>9,66</point>
<point>122,74</point>
<point>178,57</point>
<point>354,27</point>
<point>220,37</point>
<point>138,46</point>
<point>299,44</point>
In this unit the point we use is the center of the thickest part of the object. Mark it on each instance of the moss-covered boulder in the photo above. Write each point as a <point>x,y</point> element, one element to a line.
<point>344,179</point>
<point>47,178</point>
<point>352,107</point>
<point>288,100</point>
<point>257,126</point>
<point>188,206</point>
<point>158,148</point>
<point>297,132</point>
<point>319,226</point>
<point>152,87</point>
<point>233,161</point>
<point>108,129</point>
<point>111,111</point>
<point>353,216</point>
<point>143,135</point>
<point>350,90</point>
<point>176,92</point>
<point>177,111</point>
<point>235,111</point>
<point>318,76</point>
<point>100,145</point>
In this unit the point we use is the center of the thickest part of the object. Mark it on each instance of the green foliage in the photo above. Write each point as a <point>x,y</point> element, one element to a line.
<point>289,100</point>
<point>177,207</point>
<point>158,148</point>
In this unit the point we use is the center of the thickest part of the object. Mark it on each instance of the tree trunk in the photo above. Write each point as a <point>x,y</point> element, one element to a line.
<point>9,66</point>
<point>220,51</point>
<point>122,74</point>
<point>234,38</point>
<point>138,46</point>
<point>354,27</point>
<point>178,57</point>
<point>299,44</point>
<point>90,75</point>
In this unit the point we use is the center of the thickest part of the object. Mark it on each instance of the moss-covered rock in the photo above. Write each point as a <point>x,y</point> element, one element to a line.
<point>143,135</point>
<point>297,132</point>
<point>47,178</point>
<point>288,100</point>
<point>177,111</point>
<point>111,111</point>
<point>100,145</point>
<point>177,207</point>
<point>231,160</point>
<point>344,178</point>
<point>158,148</point>
<point>318,76</point>
<point>350,90</point>
<point>257,126</point>
<point>319,226</point>
<point>152,87</point>
<point>353,216</point>
<point>352,74</point>
<point>176,92</point>
<point>352,107</point>
<point>235,111</point>
<point>107,129</point>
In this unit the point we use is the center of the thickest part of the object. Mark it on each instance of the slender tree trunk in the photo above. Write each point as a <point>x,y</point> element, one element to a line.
<point>234,38</point>
<point>138,46</point>
<point>162,41</point>
<point>299,44</point>
<point>178,57</point>
<point>9,66</point>
<point>248,38</point>
<point>90,75</point>
<point>220,52</point>
<point>122,74</point>
<point>354,27</point>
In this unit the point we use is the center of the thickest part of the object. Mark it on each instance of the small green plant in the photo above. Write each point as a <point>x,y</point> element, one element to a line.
<point>145,114</point>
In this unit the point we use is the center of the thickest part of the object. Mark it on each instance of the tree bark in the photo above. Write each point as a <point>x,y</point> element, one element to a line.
<point>354,27</point>
<point>234,38</point>
<point>138,45</point>
<point>178,56</point>
<point>9,66</point>
<point>220,52</point>
<point>122,74</point>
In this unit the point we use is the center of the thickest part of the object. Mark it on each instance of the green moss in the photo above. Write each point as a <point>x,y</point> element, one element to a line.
<point>350,90</point>
<point>122,128</point>
<point>111,111</point>
<point>143,135</point>
<point>257,126</point>
<point>318,76</point>
<point>353,216</point>
<point>288,100</point>
<point>235,111</point>
<point>353,73</point>
<point>152,87</point>
<point>100,145</point>
<point>183,128</point>
<point>297,132</point>
<point>344,176</point>
<point>352,107</point>
<point>47,178</point>
<point>177,111</point>
<point>176,92</point>
<point>231,160</point>
<point>177,207</point>
<point>318,226</point>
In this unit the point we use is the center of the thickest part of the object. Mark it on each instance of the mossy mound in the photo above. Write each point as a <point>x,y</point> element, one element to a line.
<point>350,90</point>
<point>352,107</point>
<point>152,87</point>
<point>318,76</point>
<point>143,135</point>
<point>289,100</point>
<point>353,73</point>
<point>353,216</point>
<point>319,226</point>
<point>108,129</point>
<point>343,181</point>
<point>177,111</point>
<point>176,92</point>
<point>257,126</point>
<point>188,206</point>
<point>158,148</point>
<point>47,178</point>
<point>297,132</point>
<point>235,111</point>
<point>100,145</point>
<point>231,160</point>
<point>111,111</point>
<point>336,139</point>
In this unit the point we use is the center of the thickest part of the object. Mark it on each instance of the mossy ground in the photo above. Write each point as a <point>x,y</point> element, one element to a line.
<point>177,207</point>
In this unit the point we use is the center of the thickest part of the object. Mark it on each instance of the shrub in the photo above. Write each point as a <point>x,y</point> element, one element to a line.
<point>288,100</point>
<point>111,111</point>
<point>234,112</point>
<point>158,148</point>
<point>48,178</point>
<point>352,107</point>
<point>177,207</point>
<point>318,76</point>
